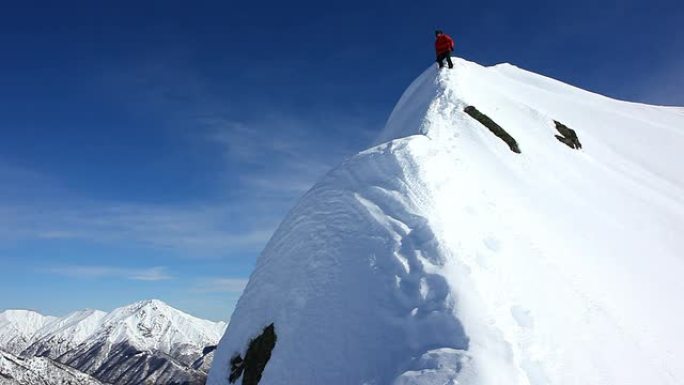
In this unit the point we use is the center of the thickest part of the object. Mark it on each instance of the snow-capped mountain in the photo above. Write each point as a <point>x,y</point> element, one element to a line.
<point>155,326</point>
<point>16,370</point>
<point>505,229</point>
<point>64,334</point>
<point>149,334</point>
<point>17,328</point>
<point>146,342</point>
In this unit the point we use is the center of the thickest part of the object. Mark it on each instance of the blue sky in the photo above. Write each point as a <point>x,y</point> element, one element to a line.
<point>149,149</point>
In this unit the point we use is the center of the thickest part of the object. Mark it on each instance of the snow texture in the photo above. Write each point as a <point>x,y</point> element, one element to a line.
<point>439,256</point>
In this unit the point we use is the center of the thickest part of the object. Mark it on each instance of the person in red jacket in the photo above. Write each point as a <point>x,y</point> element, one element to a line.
<point>444,44</point>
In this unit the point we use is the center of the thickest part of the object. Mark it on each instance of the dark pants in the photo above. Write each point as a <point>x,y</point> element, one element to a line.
<point>447,56</point>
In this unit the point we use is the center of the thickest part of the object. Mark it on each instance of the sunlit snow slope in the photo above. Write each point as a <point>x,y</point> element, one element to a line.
<point>440,256</point>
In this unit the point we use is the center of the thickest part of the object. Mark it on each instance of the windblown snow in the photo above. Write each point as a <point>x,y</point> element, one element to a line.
<point>439,256</point>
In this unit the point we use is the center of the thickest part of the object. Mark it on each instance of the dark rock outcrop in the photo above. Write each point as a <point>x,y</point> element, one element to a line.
<point>256,358</point>
<point>569,136</point>
<point>493,127</point>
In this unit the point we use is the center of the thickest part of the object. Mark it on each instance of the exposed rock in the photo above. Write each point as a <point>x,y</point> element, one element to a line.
<point>204,363</point>
<point>256,358</point>
<point>569,136</point>
<point>493,127</point>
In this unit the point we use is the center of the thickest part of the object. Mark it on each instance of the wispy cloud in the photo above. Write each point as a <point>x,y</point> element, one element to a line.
<point>273,158</point>
<point>191,230</point>
<point>259,159</point>
<point>221,285</point>
<point>158,273</point>
<point>286,156</point>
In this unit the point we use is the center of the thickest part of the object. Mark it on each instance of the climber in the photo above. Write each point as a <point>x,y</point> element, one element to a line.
<point>444,44</point>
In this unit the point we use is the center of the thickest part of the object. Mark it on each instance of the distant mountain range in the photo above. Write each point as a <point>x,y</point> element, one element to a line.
<point>148,342</point>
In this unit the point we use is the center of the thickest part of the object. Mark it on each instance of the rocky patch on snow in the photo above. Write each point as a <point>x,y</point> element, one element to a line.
<point>257,356</point>
<point>493,127</point>
<point>567,136</point>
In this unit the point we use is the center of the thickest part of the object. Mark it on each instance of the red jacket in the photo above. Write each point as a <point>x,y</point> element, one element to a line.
<point>444,44</point>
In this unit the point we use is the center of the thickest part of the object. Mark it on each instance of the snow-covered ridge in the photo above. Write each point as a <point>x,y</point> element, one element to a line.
<point>63,334</point>
<point>154,325</point>
<point>148,341</point>
<point>18,327</point>
<point>149,324</point>
<point>439,256</point>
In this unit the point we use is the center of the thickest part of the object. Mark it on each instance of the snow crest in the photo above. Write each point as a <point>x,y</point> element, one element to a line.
<point>439,256</point>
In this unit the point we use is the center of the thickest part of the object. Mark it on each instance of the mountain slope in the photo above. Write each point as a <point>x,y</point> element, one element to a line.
<point>148,341</point>
<point>64,334</point>
<point>154,325</point>
<point>441,256</point>
<point>39,370</point>
<point>17,328</point>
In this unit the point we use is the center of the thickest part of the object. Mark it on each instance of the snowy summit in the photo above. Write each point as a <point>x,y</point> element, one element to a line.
<point>506,228</point>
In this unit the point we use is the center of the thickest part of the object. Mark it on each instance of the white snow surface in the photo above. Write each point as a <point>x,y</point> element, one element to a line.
<point>439,256</point>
